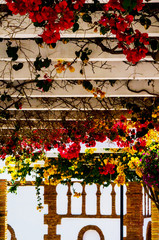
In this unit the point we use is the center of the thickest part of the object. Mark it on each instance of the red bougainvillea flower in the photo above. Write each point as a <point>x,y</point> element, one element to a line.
<point>109,168</point>
<point>17,7</point>
<point>50,36</point>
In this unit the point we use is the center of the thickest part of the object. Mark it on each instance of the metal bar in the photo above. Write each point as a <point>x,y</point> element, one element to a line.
<point>121,212</point>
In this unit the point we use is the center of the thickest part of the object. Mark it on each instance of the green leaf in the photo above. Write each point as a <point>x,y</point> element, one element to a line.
<point>12,52</point>
<point>142,20</point>
<point>104,30</point>
<point>18,66</point>
<point>53,45</point>
<point>84,56</point>
<point>87,85</point>
<point>86,49</point>
<point>39,84</point>
<point>112,82</point>
<point>87,18</point>
<point>129,4</point>
<point>89,52</point>
<point>156,56</point>
<point>81,71</point>
<point>136,108</point>
<point>39,40</point>
<point>134,119</point>
<point>38,63</point>
<point>8,98</point>
<point>77,53</point>
<point>46,62</point>
<point>75,27</point>
<point>3,97</point>
<point>147,23</point>
<point>37,24</point>
<point>16,105</point>
<point>46,87</point>
<point>154,44</point>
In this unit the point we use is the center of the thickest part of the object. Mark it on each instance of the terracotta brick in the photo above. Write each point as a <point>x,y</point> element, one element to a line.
<point>3,209</point>
<point>155,222</point>
<point>134,217</point>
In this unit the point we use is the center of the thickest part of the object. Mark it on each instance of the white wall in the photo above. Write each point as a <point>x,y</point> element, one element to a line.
<point>70,227</point>
<point>23,215</point>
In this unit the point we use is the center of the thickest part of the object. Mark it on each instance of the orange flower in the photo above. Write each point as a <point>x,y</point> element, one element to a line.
<point>72,69</point>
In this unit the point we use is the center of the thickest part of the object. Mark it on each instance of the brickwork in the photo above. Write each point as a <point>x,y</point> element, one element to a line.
<point>90,227</point>
<point>133,220</point>
<point>51,219</point>
<point>3,209</point>
<point>155,222</point>
<point>134,217</point>
<point>11,230</point>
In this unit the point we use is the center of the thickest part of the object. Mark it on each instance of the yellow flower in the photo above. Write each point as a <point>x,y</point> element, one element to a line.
<point>106,161</point>
<point>46,174</point>
<point>55,182</point>
<point>2,170</point>
<point>39,208</point>
<point>102,94</point>
<point>52,170</point>
<point>154,115</point>
<point>85,61</point>
<point>23,181</point>
<point>59,70</point>
<point>134,162</point>
<point>65,41</point>
<point>46,181</point>
<point>138,172</point>
<point>77,195</point>
<point>14,176</point>
<point>36,166</point>
<point>90,150</point>
<point>72,69</point>
<point>40,45</point>
<point>95,30</point>
<point>28,160</point>
<point>120,180</point>
<point>120,168</point>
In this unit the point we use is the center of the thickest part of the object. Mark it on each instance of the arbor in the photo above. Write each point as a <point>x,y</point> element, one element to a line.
<point>70,70</point>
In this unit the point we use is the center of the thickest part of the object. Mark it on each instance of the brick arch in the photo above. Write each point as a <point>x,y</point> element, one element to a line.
<point>11,230</point>
<point>90,227</point>
<point>148,231</point>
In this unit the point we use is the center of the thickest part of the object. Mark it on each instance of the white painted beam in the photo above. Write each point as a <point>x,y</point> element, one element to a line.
<point>92,71</point>
<point>10,29</point>
<point>70,104</point>
<point>66,104</point>
<point>62,51</point>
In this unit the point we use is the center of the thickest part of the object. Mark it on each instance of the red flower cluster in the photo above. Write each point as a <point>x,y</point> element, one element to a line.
<point>132,43</point>
<point>71,152</point>
<point>117,5</point>
<point>68,136</point>
<point>56,17</point>
<point>60,16</point>
<point>109,168</point>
